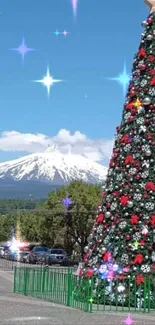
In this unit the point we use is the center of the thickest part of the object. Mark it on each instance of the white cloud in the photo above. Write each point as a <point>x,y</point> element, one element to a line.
<point>95,149</point>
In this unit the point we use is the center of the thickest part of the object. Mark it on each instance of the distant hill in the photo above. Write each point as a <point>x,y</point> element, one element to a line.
<point>38,174</point>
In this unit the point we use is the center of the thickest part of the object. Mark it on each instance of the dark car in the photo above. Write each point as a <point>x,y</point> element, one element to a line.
<point>37,255</point>
<point>56,256</point>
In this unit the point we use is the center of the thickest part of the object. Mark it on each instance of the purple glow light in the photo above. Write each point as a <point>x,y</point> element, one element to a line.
<point>74,5</point>
<point>67,202</point>
<point>128,320</point>
<point>65,33</point>
<point>22,49</point>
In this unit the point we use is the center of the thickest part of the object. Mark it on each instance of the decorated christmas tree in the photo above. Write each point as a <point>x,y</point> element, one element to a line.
<point>122,240</point>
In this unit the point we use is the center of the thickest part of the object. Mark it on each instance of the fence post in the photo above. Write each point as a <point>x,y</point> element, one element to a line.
<point>25,280</point>
<point>91,281</point>
<point>43,271</point>
<point>15,279</point>
<point>69,293</point>
<point>12,265</point>
<point>145,293</point>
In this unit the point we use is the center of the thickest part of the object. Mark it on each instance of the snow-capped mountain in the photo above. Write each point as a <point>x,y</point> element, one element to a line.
<point>52,168</point>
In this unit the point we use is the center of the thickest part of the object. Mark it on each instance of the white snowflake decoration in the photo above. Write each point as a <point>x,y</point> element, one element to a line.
<point>137,196</point>
<point>149,206</point>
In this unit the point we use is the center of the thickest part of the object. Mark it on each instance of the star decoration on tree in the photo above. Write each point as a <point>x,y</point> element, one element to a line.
<point>22,49</point>
<point>138,104</point>
<point>48,81</point>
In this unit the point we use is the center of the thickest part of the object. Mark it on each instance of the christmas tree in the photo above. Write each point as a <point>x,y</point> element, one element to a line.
<point>123,236</point>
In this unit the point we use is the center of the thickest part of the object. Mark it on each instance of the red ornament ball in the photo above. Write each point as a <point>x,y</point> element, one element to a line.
<point>143,67</point>
<point>149,21</point>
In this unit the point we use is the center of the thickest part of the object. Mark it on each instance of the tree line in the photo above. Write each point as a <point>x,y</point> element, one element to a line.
<point>48,222</point>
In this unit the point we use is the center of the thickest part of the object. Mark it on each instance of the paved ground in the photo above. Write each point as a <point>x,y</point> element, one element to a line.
<point>16,309</point>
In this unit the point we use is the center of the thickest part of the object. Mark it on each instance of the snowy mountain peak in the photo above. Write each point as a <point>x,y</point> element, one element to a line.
<point>53,167</point>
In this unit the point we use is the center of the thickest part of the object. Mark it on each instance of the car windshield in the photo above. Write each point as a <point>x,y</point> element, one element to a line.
<point>40,249</point>
<point>57,251</point>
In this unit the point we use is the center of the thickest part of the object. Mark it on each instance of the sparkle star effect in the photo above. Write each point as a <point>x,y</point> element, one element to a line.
<point>22,49</point>
<point>136,244</point>
<point>123,79</point>
<point>128,320</point>
<point>74,6</point>
<point>57,33</point>
<point>65,33</point>
<point>48,81</point>
<point>67,202</point>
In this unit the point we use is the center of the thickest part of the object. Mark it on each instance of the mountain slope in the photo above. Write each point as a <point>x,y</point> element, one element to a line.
<point>52,168</point>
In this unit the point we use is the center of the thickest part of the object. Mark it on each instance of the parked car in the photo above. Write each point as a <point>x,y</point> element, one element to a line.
<point>2,252</point>
<point>22,256</point>
<point>7,254</point>
<point>56,256</point>
<point>37,255</point>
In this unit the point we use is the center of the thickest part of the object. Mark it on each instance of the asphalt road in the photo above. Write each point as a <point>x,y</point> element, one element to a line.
<point>16,309</point>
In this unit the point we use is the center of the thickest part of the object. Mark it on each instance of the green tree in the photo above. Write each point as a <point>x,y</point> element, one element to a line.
<point>124,231</point>
<point>29,226</point>
<point>6,222</point>
<point>78,221</point>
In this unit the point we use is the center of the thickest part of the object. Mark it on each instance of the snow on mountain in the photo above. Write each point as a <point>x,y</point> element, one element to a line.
<point>54,168</point>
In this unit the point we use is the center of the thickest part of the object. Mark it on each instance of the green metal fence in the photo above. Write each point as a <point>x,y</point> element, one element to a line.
<point>51,284</point>
<point>88,294</point>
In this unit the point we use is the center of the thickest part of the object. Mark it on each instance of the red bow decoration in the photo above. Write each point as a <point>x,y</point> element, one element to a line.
<point>116,193</point>
<point>152,82</point>
<point>100,218</point>
<point>121,277</point>
<point>134,219</point>
<point>153,267</point>
<point>128,160</point>
<point>142,53</point>
<point>111,162</point>
<point>107,256</point>
<point>124,200</point>
<point>124,139</point>
<point>150,186</point>
<point>149,137</point>
<point>138,259</point>
<point>139,279</point>
<point>136,163</point>
<point>85,258</point>
<point>151,58</point>
<point>89,273</point>
<point>142,242</point>
<point>153,220</point>
<point>129,106</point>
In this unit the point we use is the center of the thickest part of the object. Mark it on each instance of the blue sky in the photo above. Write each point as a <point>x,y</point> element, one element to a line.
<point>103,36</point>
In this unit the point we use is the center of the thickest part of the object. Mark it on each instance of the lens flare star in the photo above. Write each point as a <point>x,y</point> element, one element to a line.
<point>57,33</point>
<point>67,202</point>
<point>123,79</point>
<point>128,320</point>
<point>74,6</point>
<point>65,33</point>
<point>48,81</point>
<point>22,49</point>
